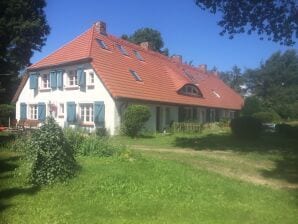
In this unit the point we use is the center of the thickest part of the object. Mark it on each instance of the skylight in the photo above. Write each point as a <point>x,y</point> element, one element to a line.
<point>189,76</point>
<point>138,55</point>
<point>122,49</point>
<point>102,44</point>
<point>135,75</point>
<point>215,93</point>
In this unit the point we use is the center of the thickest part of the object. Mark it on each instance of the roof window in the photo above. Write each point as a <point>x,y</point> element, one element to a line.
<point>135,75</point>
<point>102,44</point>
<point>138,55</point>
<point>122,49</point>
<point>216,94</point>
<point>191,90</point>
<point>190,76</point>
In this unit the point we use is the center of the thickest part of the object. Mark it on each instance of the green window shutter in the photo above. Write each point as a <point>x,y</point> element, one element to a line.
<point>33,80</point>
<point>23,111</point>
<point>60,79</point>
<point>71,112</point>
<point>99,113</point>
<point>81,77</point>
<point>53,78</point>
<point>41,108</point>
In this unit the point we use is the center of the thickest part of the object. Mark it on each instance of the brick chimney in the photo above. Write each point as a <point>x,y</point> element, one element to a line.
<point>146,45</point>
<point>203,67</point>
<point>101,27</point>
<point>177,58</point>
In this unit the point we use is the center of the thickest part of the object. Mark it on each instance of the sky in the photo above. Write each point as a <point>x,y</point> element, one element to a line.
<point>186,30</point>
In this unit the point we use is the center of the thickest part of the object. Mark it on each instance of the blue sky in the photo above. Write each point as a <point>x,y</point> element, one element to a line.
<point>185,28</point>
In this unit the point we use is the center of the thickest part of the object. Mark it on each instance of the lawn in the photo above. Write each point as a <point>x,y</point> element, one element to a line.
<point>177,179</point>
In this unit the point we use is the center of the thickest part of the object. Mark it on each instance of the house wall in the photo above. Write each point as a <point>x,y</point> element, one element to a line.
<point>97,92</point>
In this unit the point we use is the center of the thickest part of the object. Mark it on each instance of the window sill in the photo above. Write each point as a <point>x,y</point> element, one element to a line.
<point>45,89</point>
<point>72,87</point>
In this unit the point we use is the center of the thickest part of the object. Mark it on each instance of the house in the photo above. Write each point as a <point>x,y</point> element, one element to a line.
<point>92,79</point>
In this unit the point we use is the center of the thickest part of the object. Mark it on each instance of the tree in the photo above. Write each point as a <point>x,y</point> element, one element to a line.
<point>23,29</point>
<point>276,83</point>
<point>234,79</point>
<point>275,19</point>
<point>148,35</point>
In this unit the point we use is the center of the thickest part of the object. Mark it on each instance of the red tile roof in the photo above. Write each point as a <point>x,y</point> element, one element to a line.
<point>162,78</point>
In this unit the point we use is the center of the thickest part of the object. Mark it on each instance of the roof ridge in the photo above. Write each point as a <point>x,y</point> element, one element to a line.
<point>91,40</point>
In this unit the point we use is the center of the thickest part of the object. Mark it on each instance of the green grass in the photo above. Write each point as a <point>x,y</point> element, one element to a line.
<point>147,190</point>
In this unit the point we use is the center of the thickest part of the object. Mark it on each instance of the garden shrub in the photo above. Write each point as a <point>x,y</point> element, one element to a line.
<point>6,111</point>
<point>135,117</point>
<point>267,117</point>
<point>101,132</point>
<point>74,138</point>
<point>52,159</point>
<point>224,122</point>
<point>95,146</point>
<point>287,130</point>
<point>246,127</point>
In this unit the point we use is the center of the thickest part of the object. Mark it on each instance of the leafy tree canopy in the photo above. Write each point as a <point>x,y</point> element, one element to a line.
<point>276,19</point>
<point>148,35</point>
<point>23,29</point>
<point>276,83</point>
<point>234,79</point>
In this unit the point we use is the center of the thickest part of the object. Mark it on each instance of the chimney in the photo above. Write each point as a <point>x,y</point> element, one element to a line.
<point>177,58</point>
<point>101,27</point>
<point>145,45</point>
<point>203,67</point>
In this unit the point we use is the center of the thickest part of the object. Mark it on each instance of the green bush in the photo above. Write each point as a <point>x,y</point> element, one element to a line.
<point>224,122</point>
<point>95,146</point>
<point>251,106</point>
<point>52,159</point>
<point>6,111</point>
<point>135,117</point>
<point>287,130</point>
<point>74,138</point>
<point>267,117</point>
<point>246,127</point>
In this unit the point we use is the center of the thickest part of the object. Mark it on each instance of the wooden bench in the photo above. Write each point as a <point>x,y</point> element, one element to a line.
<point>27,124</point>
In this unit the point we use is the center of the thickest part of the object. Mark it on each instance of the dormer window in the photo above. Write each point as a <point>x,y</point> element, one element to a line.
<point>135,75</point>
<point>138,55</point>
<point>190,90</point>
<point>102,44</point>
<point>122,49</point>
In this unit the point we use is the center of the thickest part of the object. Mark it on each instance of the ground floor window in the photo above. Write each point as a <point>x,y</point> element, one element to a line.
<point>86,113</point>
<point>212,115</point>
<point>33,111</point>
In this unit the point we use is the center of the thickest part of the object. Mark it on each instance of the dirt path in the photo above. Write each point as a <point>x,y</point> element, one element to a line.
<point>226,163</point>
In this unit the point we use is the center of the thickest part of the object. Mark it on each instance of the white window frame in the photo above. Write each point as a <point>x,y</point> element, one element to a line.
<point>61,110</point>
<point>72,79</point>
<point>91,78</point>
<point>87,113</point>
<point>33,111</point>
<point>45,81</point>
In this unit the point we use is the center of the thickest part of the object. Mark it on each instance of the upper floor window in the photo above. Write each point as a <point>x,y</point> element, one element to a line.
<point>135,75</point>
<point>72,78</point>
<point>33,111</point>
<point>138,55</point>
<point>122,49</point>
<point>86,113</point>
<point>45,81</point>
<point>191,90</point>
<point>91,78</point>
<point>102,44</point>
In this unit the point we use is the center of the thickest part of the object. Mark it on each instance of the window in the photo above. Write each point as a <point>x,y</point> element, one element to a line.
<point>168,116</point>
<point>72,78</point>
<point>45,81</point>
<point>122,49</point>
<point>138,55</point>
<point>91,78</point>
<point>102,44</point>
<point>61,109</point>
<point>33,112</point>
<point>86,113</point>
<point>191,90</point>
<point>232,114</point>
<point>135,75</point>
<point>215,93</point>
<point>188,75</point>
<point>212,115</point>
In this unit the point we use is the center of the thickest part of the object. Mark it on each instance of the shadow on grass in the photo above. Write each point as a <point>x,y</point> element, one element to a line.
<point>7,165</point>
<point>286,167</point>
